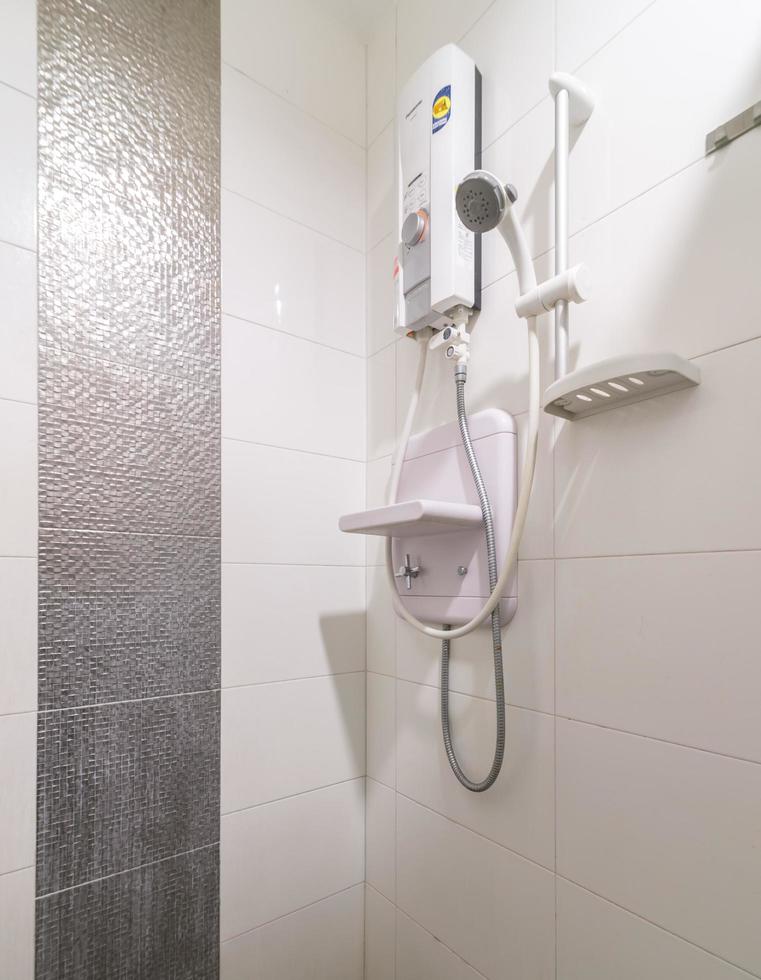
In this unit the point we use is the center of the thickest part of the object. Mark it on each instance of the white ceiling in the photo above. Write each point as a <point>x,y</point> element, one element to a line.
<point>359,15</point>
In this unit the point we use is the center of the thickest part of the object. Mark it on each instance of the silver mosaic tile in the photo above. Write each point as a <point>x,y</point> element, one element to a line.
<point>120,785</point>
<point>159,922</point>
<point>126,616</point>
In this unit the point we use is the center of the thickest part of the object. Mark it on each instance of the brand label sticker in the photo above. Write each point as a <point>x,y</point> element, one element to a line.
<point>442,108</point>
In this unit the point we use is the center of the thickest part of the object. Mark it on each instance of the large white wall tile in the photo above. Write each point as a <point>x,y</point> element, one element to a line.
<point>665,646</point>
<point>283,506</point>
<point>322,940</point>
<point>669,833</point>
<point>527,642</point>
<point>381,734</point>
<point>281,158</point>
<point>18,168</point>
<point>519,810</point>
<point>380,942</point>
<point>670,474</point>
<point>381,196</point>
<point>277,272</point>
<point>640,133</point>
<point>423,26</point>
<point>692,287</point>
<point>381,389</point>
<point>286,46</point>
<point>279,857</point>
<point>599,941</point>
<point>381,623</point>
<point>419,954</point>
<point>584,26</point>
<point>18,779</point>
<point>283,391</point>
<point>281,622</point>
<point>381,61</point>
<point>18,634</point>
<point>378,477</point>
<point>17,911</point>
<point>380,295</point>
<point>18,45</point>
<point>490,906</point>
<point>511,45</point>
<point>380,838</point>
<point>313,731</point>
<point>18,323</point>
<point>18,479</point>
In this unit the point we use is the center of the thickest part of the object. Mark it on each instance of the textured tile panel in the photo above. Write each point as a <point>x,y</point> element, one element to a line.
<point>159,922</point>
<point>126,616</point>
<point>122,449</point>
<point>120,785</point>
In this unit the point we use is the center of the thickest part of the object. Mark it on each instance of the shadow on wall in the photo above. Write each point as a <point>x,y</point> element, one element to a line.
<point>338,630</point>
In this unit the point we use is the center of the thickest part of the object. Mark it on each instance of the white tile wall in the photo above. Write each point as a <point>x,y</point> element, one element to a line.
<point>283,856</point>
<point>17,917</point>
<point>381,52</point>
<point>380,942</point>
<point>487,904</point>
<point>277,155</point>
<point>321,940</point>
<point>381,196</point>
<point>18,479</point>
<point>18,635</point>
<point>18,336</point>
<point>312,624</point>
<point>667,832</point>
<point>18,45</point>
<point>380,831</point>
<point>18,167</point>
<point>294,451</point>
<point>280,273</point>
<point>658,637</point>
<point>317,726</point>
<point>18,777</point>
<point>283,46</point>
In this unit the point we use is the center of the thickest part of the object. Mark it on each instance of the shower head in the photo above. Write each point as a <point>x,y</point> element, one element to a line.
<point>482,200</point>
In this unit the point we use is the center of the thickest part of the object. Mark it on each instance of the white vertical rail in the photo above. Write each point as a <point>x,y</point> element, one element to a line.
<point>561,227</point>
<point>573,106</point>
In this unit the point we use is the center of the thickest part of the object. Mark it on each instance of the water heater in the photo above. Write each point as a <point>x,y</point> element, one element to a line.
<point>438,264</point>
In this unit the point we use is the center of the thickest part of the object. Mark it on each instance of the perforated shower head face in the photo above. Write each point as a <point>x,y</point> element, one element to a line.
<point>481,201</point>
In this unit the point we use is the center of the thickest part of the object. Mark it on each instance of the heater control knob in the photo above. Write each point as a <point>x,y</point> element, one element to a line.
<point>414,227</point>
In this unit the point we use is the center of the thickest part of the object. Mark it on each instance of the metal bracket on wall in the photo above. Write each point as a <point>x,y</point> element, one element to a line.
<point>735,127</point>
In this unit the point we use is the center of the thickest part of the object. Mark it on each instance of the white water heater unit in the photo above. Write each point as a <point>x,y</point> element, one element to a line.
<point>438,265</point>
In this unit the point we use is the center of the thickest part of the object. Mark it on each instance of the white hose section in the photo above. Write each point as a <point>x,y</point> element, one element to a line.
<point>513,235</point>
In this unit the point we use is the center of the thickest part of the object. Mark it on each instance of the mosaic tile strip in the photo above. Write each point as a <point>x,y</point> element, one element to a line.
<point>122,449</point>
<point>120,785</point>
<point>126,616</point>
<point>160,921</point>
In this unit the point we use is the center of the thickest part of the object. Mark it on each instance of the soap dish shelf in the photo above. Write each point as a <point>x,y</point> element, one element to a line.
<point>616,382</point>
<point>418,517</point>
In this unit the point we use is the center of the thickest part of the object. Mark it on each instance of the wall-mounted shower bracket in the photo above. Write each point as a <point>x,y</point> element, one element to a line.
<point>574,104</point>
<point>737,126</point>
<point>571,286</point>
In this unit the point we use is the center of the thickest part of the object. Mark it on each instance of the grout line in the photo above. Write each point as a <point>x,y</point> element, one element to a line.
<point>464,694</point>
<point>437,939</point>
<point>661,554</point>
<point>655,925</point>
<point>477,833</point>
<point>18,401</point>
<point>301,908</point>
<point>295,105</point>
<point>614,36</point>
<point>20,713</point>
<point>295,336</point>
<point>292,680</point>
<point>295,221</point>
<point>291,796</point>
<point>299,564</point>
<point>108,704</point>
<point>16,871</point>
<point>15,88</point>
<point>24,248</point>
<point>137,867</point>
<point>293,449</point>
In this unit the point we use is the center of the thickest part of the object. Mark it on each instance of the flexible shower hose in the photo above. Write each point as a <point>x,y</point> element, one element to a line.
<point>496,625</point>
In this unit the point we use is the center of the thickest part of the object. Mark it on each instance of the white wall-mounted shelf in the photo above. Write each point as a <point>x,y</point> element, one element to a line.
<point>418,517</point>
<point>616,382</point>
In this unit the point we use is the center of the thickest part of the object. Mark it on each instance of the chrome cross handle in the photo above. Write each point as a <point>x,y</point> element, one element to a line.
<point>407,571</point>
